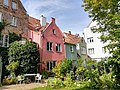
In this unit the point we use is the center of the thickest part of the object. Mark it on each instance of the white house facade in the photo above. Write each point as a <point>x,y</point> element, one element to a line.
<point>94,45</point>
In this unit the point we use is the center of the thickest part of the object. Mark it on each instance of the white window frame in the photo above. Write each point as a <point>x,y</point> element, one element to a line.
<point>103,50</point>
<point>49,46</point>
<point>58,47</point>
<point>53,31</point>
<point>0,16</point>
<point>14,21</point>
<point>90,40</point>
<point>71,48</point>
<point>14,5</point>
<point>91,51</point>
<point>49,67</point>
<point>83,50</point>
<point>5,2</point>
<point>5,41</point>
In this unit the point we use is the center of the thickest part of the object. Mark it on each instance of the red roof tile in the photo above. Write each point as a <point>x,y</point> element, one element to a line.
<point>35,24</point>
<point>70,38</point>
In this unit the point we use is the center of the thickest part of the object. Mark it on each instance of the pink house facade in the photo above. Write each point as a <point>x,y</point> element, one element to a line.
<point>49,39</point>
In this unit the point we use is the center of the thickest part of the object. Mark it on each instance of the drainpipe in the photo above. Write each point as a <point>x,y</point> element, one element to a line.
<point>0,69</point>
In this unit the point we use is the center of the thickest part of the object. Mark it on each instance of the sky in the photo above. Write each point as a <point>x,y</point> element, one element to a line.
<point>69,14</point>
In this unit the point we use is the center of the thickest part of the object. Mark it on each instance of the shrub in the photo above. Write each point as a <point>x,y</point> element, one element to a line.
<point>68,80</point>
<point>9,80</point>
<point>44,74</point>
<point>62,68</point>
<point>55,82</point>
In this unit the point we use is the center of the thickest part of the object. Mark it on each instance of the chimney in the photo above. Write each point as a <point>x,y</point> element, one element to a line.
<point>76,35</point>
<point>70,32</point>
<point>43,20</point>
<point>52,19</point>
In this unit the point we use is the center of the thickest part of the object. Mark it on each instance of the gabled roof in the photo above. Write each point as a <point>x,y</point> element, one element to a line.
<point>21,5</point>
<point>34,24</point>
<point>71,39</point>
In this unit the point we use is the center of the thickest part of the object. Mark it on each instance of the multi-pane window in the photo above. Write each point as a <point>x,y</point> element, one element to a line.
<point>14,21</point>
<point>50,65</point>
<point>5,41</point>
<point>71,49</point>
<point>90,40</point>
<point>91,50</point>
<point>83,50</point>
<point>0,16</point>
<point>49,46</point>
<point>6,2</point>
<point>58,47</point>
<point>14,5</point>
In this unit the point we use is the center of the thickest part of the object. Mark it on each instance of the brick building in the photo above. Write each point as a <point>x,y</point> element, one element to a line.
<point>50,41</point>
<point>14,13</point>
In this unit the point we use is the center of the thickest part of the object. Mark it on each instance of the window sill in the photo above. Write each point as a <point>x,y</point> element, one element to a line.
<point>13,26</point>
<point>14,10</point>
<point>83,54</point>
<point>58,51</point>
<point>49,51</point>
<point>5,6</point>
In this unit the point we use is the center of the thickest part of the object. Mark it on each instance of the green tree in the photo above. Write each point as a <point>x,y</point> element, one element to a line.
<point>107,15</point>
<point>27,56</point>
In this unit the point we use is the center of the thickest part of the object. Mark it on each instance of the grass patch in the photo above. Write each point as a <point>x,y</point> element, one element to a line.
<point>48,88</point>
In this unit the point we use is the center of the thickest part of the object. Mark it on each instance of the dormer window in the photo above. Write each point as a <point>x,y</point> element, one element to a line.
<point>5,2</point>
<point>14,5</point>
<point>53,31</point>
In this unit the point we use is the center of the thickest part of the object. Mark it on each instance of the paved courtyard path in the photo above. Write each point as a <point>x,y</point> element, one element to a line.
<point>23,86</point>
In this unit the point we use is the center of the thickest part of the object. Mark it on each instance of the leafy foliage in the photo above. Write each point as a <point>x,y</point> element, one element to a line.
<point>9,80</point>
<point>63,68</point>
<point>4,53</point>
<point>3,24</point>
<point>13,37</point>
<point>107,15</point>
<point>26,55</point>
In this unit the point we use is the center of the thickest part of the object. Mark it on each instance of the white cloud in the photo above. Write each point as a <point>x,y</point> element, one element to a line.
<point>47,8</point>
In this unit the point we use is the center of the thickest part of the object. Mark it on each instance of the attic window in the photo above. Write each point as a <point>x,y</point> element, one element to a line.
<point>5,2</point>
<point>54,32</point>
<point>14,5</point>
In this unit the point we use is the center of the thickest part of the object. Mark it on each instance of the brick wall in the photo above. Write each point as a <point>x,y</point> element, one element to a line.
<point>21,15</point>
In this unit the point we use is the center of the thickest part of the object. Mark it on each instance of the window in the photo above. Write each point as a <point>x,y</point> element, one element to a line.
<point>91,50</point>
<point>49,46</point>
<point>0,17</point>
<point>5,40</point>
<point>71,49</point>
<point>103,50</point>
<point>14,21</point>
<point>53,31</point>
<point>50,65</point>
<point>89,40</point>
<point>83,50</point>
<point>6,2</point>
<point>77,46</point>
<point>14,5</point>
<point>82,40</point>
<point>58,47</point>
